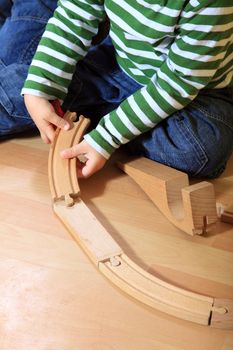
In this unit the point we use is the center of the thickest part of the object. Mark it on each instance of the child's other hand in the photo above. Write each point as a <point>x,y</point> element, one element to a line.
<point>44,116</point>
<point>94,160</point>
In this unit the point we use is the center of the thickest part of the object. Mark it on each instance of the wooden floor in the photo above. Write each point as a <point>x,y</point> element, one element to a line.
<point>53,298</point>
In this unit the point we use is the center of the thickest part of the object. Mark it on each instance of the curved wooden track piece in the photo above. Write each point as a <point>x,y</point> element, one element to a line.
<point>190,208</point>
<point>62,173</point>
<point>110,259</point>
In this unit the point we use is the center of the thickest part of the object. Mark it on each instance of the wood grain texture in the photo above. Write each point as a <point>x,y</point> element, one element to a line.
<point>88,231</point>
<point>156,293</point>
<point>51,295</point>
<point>223,320</point>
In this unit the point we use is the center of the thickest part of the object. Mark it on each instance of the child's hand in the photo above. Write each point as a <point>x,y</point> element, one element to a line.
<point>44,116</point>
<point>94,160</point>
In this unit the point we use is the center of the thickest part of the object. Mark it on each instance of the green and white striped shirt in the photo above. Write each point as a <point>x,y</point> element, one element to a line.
<point>173,48</point>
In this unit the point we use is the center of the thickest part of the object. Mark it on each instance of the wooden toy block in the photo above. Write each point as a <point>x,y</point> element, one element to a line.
<point>190,208</point>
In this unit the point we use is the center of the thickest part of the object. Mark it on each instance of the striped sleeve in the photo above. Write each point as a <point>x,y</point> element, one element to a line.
<point>195,60</point>
<point>66,40</point>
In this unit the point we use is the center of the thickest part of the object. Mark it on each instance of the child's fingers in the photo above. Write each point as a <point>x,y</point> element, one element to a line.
<point>44,137</point>
<point>93,161</point>
<point>86,170</point>
<point>49,132</point>
<point>59,122</point>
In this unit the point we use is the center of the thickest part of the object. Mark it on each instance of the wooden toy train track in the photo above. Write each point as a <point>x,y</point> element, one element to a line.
<point>109,257</point>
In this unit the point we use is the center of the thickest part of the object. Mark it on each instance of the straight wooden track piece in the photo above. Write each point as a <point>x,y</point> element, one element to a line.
<point>111,260</point>
<point>223,319</point>
<point>190,208</point>
<point>87,231</point>
<point>62,169</point>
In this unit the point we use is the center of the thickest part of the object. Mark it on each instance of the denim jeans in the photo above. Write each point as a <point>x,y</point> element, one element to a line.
<point>21,26</point>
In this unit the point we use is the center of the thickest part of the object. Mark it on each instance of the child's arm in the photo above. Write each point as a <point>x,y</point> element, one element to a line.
<point>200,56</point>
<point>66,40</point>
<point>198,53</point>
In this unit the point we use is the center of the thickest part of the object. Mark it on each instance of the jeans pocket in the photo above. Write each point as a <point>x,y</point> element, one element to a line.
<point>192,150</point>
<point>22,30</point>
<point>19,39</point>
<point>216,105</point>
<point>14,116</point>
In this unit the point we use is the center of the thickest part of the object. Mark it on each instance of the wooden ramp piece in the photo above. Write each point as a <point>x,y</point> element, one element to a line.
<point>190,208</point>
<point>108,256</point>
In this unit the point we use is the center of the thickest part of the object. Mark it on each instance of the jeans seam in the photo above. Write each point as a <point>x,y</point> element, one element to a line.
<point>8,131</point>
<point>210,115</point>
<point>30,18</point>
<point>2,64</point>
<point>23,56</point>
<point>20,116</point>
<point>201,158</point>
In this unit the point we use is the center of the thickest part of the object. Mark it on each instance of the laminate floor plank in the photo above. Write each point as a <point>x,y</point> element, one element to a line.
<point>53,298</point>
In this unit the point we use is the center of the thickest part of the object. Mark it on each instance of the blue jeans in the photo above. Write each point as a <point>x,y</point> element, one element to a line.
<point>21,26</point>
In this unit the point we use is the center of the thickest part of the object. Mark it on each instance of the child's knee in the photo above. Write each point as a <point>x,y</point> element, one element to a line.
<point>14,117</point>
<point>10,125</point>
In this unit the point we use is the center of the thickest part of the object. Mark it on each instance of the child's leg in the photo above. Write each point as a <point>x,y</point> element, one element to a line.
<point>197,140</point>
<point>19,37</point>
